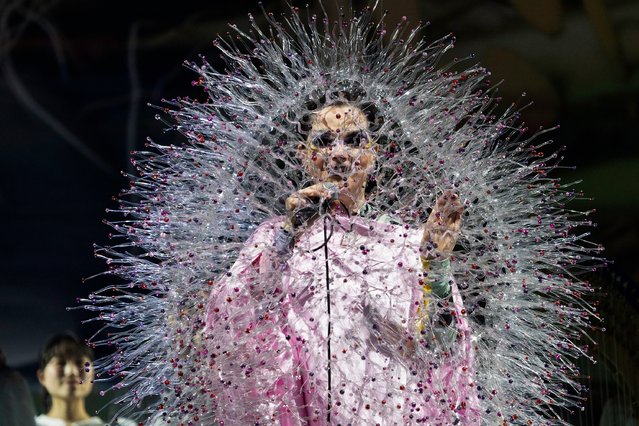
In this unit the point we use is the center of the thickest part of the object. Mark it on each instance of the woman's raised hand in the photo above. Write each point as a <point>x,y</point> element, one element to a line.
<point>442,226</point>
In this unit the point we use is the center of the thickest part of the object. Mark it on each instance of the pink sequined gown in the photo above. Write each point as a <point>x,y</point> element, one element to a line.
<point>267,331</point>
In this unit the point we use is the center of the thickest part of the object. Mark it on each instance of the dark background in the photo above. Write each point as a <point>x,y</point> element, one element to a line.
<point>76,77</point>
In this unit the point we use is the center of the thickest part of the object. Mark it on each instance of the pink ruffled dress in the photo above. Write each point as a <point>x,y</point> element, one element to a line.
<point>267,332</point>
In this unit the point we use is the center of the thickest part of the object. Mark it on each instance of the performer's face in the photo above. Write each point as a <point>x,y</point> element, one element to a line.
<point>339,144</point>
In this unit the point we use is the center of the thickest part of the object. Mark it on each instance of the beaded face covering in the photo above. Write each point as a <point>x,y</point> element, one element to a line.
<point>339,142</point>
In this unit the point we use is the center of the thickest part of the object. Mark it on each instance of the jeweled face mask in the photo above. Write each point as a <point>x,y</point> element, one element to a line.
<point>340,142</point>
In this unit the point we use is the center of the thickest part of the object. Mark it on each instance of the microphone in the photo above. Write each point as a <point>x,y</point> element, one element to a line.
<point>304,216</point>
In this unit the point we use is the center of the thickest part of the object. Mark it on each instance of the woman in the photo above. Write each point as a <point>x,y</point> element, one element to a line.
<point>328,311</point>
<point>66,375</point>
<point>324,310</point>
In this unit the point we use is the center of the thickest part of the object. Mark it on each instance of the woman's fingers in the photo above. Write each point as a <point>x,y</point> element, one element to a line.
<point>444,222</point>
